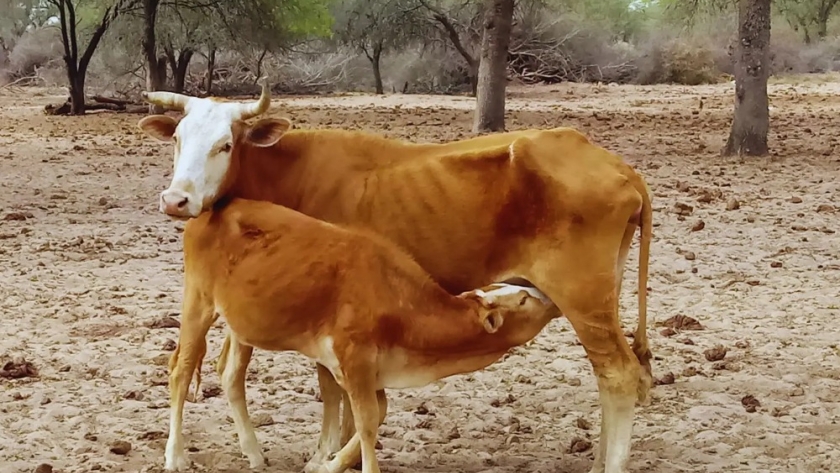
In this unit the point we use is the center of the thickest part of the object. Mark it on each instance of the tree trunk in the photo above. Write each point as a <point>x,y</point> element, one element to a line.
<point>179,66</point>
<point>155,75</point>
<point>375,61</point>
<point>492,69</point>
<point>751,122</point>
<point>211,67</point>
<point>77,93</point>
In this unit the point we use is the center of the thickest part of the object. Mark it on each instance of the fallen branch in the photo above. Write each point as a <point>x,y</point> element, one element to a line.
<point>97,103</point>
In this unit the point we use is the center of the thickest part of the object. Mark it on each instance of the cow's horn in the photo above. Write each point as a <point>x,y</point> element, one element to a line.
<point>250,110</point>
<point>169,100</point>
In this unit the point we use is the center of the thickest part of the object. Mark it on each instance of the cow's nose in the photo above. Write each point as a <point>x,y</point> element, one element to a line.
<point>174,203</point>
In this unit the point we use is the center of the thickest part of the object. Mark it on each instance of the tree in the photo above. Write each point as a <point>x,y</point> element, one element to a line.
<point>76,65</point>
<point>751,122</point>
<point>376,27</point>
<point>155,67</point>
<point>492,70</point>
<point>808,16</point>
<point>457,35</point>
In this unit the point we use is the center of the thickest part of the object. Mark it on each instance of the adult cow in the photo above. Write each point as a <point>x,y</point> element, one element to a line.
<point>546,206</point>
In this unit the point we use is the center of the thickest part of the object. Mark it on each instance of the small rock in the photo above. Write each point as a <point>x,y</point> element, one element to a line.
<point>574,382</point>
<point>753,282</point>
<point>683,209</point>
<point>827,208</point>
<point>798,391</point>
<point>18,368</point>
<point>120,447</point>
<point>211,390</point>
<point>733,204</point>
<point>689,371</point>
<point>164,322</point>
<point>579,445</point>
<point>742,344</point>
<point>750,403</point>
<point>667,378</point>
<point>698,226</point>
<point>43,468</point>
<point>776,264</point>
<point>135,395</point>
<point>262,420</point>
<point>152,435</point>
<point>682,322</point>
<point>583,423</point>
<point>422,409</point>
<point>169,345</point>
<point>796,200</point>
<point>667,332</point>
<point>453,434</point>
<point>689,255</point>
<point>715,353</point>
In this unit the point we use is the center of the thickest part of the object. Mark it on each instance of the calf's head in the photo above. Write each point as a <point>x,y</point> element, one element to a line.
<point>209,141</point>
<point>518,311</point>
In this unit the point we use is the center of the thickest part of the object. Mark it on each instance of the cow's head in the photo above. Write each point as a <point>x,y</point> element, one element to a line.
<point>208,142</point>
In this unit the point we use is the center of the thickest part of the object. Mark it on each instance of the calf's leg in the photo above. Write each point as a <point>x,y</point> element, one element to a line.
<point>233,371</point>
<point>330,440</point>
<point>363,401</point>
<point>196,320</point>
<point>349,454</point>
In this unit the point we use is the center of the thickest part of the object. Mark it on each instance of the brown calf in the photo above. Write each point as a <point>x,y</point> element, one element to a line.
<point>347,298</point>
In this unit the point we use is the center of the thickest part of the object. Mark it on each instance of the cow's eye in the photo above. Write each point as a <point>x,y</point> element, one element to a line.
<point>226,148</point>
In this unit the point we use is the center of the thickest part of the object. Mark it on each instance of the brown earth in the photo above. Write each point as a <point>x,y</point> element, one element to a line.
<point>87,263</point>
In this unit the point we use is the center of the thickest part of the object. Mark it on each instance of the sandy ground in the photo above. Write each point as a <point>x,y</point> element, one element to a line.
<point>87,265</point>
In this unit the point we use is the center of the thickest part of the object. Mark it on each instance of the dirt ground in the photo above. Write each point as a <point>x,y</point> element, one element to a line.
<point>88,265</point>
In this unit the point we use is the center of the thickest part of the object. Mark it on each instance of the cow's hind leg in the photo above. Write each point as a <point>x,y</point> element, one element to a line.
<point>232,369</point>
<point>587,297</point>
<point>196,320</point>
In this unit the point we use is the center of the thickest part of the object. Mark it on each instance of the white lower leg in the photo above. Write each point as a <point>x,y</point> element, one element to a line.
<point>233,382</point>
<point>617,429</point>
<point>175,458</point>
<point>599,465</point>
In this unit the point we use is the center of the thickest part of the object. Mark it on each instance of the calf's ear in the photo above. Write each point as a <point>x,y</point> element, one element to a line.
<point>268,131</point>
<point>492,321</point>
<point>160,127</point>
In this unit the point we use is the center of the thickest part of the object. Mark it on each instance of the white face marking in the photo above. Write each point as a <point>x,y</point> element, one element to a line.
<point>200,159</point>
<point>509,289</point>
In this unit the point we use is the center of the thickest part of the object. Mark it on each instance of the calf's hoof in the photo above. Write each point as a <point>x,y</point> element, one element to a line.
<point>318,467</point>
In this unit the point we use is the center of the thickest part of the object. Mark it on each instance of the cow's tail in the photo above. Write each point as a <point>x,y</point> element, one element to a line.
<point>641,347</point>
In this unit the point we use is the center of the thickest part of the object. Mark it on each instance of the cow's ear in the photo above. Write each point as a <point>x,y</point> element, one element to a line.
<point>492,321</point>
<point>268,131</point>
<point>160,127</point>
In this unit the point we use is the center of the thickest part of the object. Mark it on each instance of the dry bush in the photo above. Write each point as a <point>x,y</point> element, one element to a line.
<point>677,61</point>
<point>33,51</point>
<point>420,70</point>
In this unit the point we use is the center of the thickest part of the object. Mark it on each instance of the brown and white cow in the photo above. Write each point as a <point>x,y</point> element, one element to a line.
<point>347,298</point>
<point>545,206</point>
